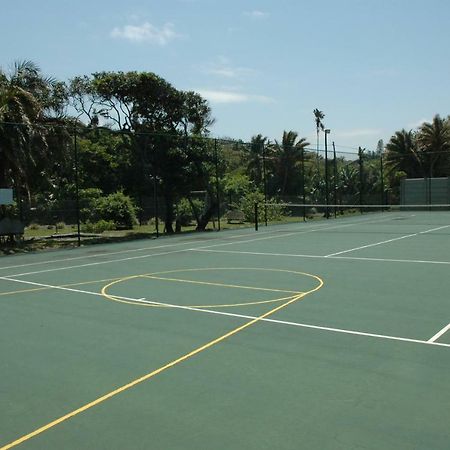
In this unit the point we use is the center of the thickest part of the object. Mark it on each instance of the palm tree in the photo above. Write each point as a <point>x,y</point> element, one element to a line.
<point>255,156</point>
<point>318,117</point>
<point>434,143</point>
<point>402,154</point>
<point>26,103</point>
<point>288,156</point>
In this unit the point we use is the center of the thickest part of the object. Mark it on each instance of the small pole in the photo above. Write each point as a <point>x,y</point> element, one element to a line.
<point>382,181</point>
<point>77,187</point>
<point>155,194</point>
<point>217,184</point>
<point>327,191</point>
<point>335,179</point>
<point>303,185</point>
<point>361,177</point>
<point>256,216</point>
<point>265,182</point>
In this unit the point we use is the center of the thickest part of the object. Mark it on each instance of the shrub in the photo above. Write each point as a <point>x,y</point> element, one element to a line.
<point>275,211</point>
<point>184,212</point>
<point>117,208</point>
<point>98,227</point>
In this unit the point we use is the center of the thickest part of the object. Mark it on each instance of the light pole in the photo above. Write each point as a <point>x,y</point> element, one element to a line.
<point>327,194</point>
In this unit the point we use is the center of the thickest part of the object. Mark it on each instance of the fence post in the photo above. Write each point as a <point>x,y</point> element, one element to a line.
<point>382,180</point>
<point>361,177</point>
<point>77,186</point>
<point>155,190</point>
<point>303,185</point>
<point>217,184</point>
<point>264,181</point>
<point>334,179</point>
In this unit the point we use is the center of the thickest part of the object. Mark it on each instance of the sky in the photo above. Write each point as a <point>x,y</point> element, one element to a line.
<point>372,66</point>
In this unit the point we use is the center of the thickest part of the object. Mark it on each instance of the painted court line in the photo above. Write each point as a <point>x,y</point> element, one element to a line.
<point>161,369</point>
<point>236,315</point>
<point>299,255</point>
<point>439,333</point>
<point>387,241</point>
<point>370,245</point>
<point>272,235</point>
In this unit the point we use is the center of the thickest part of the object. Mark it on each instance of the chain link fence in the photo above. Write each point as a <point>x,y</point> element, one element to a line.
<point>77,183</point>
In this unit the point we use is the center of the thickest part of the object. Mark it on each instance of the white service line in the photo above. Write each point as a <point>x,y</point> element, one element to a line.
<point>387,241</point>
<point>98,263</point>
<point>370,245</point>
<point>434,229</point>
<point>272,235</point>
<point>439,333</point>
<point>290,255</point>
<point>240,316</point>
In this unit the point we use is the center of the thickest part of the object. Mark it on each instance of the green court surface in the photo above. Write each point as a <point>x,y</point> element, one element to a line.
<point>321,335</point>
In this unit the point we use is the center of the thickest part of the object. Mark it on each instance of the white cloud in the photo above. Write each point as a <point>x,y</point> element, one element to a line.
<point>146,33</point>
<point>222,67</point>
<point>224,96</point>
<point>256,14</point>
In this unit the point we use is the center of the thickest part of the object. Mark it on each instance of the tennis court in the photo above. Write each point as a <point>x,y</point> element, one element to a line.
<point>331,334</point>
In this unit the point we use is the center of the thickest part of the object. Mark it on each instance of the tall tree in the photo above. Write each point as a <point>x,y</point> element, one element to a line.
<point>30,104</point>
<point>288,155</point>
<point>434,144</point>
<point>402,154</point>
<point>256,159</point>
<point>159,116</point>
<point>318,118</point>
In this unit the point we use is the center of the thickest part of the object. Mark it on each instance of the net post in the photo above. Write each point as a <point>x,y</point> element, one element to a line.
<point>256,216</point>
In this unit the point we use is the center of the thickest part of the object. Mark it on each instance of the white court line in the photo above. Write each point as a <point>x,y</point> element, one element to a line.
<point>370,245</point>
<point>434,229</point>
<point>240,316</point>
<point>290,255</point>
<point>273,235</point>
<point>387,241</point>
<point>439,333</point>
<point>96,255</point>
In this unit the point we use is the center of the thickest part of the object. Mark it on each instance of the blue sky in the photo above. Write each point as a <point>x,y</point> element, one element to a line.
<point>372,66</point>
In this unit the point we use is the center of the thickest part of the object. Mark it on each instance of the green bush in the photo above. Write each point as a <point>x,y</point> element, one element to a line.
<point>98,227</point>
<point>117,208</point>
<point>184,213</point>
<point>275,211</point>
<point>88,200</point>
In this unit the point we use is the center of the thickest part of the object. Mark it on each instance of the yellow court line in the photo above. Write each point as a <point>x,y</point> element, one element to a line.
<point>158,371</point>
<point>229,305</point>
<point>209,283</point>
<point>162,305</point>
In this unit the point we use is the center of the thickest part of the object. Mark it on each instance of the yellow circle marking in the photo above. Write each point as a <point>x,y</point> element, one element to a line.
<point>161,369</point>
<point>155,275</point>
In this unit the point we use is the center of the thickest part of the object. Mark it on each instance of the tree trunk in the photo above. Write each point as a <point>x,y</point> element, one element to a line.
<point>207,213</point>
<point>169,216</point>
